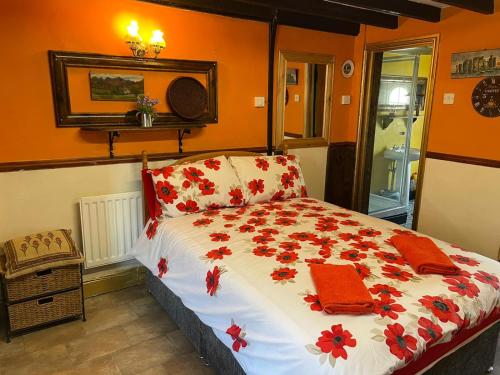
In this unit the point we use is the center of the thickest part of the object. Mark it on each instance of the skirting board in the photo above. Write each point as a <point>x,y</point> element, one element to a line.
<point>109,282</point>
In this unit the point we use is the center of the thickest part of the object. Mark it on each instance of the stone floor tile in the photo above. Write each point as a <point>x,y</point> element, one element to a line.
<point>41,362</point>
<point>109,316</point>
<point>149,326</point>
<point>122,296</point>
<point>147,354</point>
<point>187,364</point>
<point>7,350</point>
<point>180,342</point>
<point>98,344</point>
<point>60,334</point>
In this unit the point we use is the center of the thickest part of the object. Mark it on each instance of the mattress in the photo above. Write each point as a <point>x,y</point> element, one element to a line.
<point>244,272</point>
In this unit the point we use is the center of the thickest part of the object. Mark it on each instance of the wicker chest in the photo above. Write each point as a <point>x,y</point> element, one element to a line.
<point>42,298</point>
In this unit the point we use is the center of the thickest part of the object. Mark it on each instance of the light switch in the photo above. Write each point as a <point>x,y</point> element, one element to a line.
<point>346,99</point>
<point>448,98</point>
<point>296,98</point>
<point>260,102</point>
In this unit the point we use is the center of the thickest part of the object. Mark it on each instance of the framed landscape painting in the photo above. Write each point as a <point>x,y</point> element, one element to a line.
<point>122,87</point>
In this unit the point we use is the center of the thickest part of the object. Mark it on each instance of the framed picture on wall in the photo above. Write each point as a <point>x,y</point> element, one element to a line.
<point>292,76</point>
<point>484,63</point>
<point>108,86</point>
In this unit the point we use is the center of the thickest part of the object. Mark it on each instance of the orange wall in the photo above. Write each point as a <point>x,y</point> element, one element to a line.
<point>341,47</point>
<point>154,86</point>
<point>454,129</point>
<point>240,47</point>
<point>30,28</point>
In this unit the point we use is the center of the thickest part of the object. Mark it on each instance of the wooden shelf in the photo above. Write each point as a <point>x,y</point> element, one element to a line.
<point>114,132</point>
<point>129,128</point>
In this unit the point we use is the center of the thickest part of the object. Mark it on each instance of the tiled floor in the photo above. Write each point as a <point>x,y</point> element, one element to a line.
<point>126,332</point>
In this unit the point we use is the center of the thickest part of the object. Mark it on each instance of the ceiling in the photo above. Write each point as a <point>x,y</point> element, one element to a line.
<point>336,16</point>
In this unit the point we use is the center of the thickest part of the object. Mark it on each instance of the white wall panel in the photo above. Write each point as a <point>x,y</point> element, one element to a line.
<point>313,163</point>
<point>461,204</point>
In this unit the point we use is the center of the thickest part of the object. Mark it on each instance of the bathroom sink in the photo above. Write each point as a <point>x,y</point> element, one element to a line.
<point>398,154</point>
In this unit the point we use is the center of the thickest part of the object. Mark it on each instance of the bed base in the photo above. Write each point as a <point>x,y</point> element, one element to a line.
<point>474,358</point>
<point>212,351</point>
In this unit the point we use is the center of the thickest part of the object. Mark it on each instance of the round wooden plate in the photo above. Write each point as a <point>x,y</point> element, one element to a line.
<point>187,97</point>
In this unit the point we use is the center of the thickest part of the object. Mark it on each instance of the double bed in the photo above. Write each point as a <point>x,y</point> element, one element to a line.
<point>237,282</point>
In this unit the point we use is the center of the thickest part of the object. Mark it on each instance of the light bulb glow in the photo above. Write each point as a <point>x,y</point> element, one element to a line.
<point>133,30</point>
<point>157,38</point>
<point>138,47</point>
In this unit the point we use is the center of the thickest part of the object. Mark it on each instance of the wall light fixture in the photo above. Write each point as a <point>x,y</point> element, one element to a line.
<point>138,47</point>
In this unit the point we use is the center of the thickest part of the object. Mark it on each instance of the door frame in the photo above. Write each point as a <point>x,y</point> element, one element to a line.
<point>365,136</point>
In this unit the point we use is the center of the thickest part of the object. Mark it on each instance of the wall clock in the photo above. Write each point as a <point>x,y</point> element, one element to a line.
<point>348,68</point>
<point>486,97</point>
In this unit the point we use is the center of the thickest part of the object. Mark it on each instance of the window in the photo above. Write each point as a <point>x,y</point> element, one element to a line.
<point>399,96</point>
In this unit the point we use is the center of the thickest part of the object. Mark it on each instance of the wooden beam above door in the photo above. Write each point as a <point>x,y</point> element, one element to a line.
<point>263,13</point>
<point>480,6</point>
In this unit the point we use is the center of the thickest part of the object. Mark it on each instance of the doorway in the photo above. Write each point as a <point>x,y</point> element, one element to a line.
<point>398,83</point>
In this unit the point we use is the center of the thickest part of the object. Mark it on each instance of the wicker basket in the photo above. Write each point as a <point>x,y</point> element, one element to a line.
<point>45,310</point>
<point>43,282</point>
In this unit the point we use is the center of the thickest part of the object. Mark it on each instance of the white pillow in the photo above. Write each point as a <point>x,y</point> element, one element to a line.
<point>267,178</point>
<point>198,186</point>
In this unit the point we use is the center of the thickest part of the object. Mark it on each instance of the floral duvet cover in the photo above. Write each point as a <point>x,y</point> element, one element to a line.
<point>244,272</point>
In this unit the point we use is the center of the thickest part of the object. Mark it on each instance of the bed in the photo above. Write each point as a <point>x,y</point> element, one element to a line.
<point>236,281</point>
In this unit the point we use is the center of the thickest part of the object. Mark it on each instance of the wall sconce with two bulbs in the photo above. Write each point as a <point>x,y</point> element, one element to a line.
<point>138,47</point>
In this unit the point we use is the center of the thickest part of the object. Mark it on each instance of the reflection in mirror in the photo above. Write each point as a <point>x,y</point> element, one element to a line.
<point>304,99</point>
<point>304,108</point>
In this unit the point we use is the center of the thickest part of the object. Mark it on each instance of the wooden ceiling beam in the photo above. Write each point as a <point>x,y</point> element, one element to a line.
<point>257,12</point>
<point>480,6</point>
<point>404,8</point>
<point>321,8</point>
<point>222,7</point>
<point>318,23</point>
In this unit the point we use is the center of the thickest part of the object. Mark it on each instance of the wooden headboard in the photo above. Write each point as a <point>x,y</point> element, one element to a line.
<point>206,155</point>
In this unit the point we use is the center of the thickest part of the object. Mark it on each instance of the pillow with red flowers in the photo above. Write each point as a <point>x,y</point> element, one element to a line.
<point>198,186</point>
<point>269,178</point>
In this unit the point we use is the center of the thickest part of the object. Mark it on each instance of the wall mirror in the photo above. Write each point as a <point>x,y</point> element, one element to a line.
<point>304,101</point>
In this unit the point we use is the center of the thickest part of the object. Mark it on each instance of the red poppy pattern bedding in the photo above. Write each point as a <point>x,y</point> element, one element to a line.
<point>244,272</point>
<point>269,178</point>
<point>193,187</point>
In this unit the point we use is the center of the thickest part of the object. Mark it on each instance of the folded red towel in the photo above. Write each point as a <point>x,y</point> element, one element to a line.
<point>423,255</point>
<point>340,289</point>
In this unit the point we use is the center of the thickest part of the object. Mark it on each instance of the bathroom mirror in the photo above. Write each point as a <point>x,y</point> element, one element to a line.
<point>304,99</point>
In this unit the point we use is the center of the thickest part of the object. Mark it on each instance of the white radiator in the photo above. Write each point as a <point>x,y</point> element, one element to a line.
<point>110,225</point>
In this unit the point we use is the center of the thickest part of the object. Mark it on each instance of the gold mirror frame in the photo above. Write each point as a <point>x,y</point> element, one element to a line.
<point>279,126</point>
<point>364,113</point>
